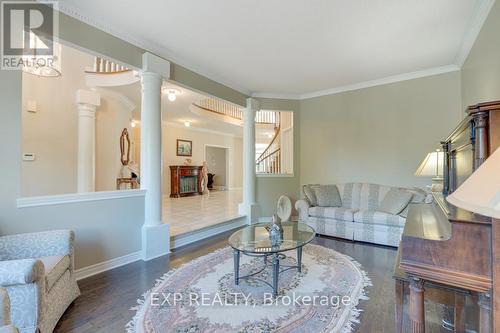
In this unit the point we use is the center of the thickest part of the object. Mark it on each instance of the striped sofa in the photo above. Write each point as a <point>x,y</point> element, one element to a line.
<point>359,217</point>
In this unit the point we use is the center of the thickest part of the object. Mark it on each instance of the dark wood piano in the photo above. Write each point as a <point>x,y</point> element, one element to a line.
<point>447,255</point>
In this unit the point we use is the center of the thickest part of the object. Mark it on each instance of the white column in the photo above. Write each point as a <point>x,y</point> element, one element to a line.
<point>249,206</point>
<point>155,232</point>
<point>151,158</point>
<point>87,103</point>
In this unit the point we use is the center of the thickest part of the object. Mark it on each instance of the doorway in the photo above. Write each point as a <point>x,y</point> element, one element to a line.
<point>218,165</point>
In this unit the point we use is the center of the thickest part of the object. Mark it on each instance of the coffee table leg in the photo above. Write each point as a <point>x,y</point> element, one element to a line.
<point>236,255</point>
<point>276,272</point>
<point>299,259</point>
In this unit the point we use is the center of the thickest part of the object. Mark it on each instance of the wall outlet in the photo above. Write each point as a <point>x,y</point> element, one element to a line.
<point>28,157</point>
<point>31,106</point>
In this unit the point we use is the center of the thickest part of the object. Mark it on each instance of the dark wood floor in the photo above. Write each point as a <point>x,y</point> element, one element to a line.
<point>107,297</point>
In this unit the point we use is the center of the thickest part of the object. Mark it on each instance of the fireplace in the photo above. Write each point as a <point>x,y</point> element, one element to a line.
<point>185,180</point>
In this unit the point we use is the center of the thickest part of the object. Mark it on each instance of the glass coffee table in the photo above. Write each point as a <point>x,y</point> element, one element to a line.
<point>254,241</point>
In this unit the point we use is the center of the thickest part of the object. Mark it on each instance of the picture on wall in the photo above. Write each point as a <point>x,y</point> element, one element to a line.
<point>184,148</point>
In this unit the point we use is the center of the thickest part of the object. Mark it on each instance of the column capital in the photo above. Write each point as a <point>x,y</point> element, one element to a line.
<point>155,64</point>
<point>252,104</point>
<point>88,97</point>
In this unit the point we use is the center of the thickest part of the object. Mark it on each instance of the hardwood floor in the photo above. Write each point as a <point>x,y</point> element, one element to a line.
<point>104,305</point>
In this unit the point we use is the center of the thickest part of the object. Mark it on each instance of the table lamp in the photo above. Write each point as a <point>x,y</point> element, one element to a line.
<point>480,193</point>
<point>432,165</point>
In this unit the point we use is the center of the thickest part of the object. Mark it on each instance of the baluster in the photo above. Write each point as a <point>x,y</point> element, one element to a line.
<point>96,64</point>
<point>101,65</point>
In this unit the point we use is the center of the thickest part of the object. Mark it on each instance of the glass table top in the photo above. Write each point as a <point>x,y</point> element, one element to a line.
<point>255,238</point>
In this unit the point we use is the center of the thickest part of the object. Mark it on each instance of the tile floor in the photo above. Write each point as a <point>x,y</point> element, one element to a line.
<point>192,213</point>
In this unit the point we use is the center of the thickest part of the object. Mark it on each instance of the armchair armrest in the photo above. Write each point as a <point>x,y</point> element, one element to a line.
<point>22,271</point>
<point>4,308</point>
<point>37,244</point>
<point>302,207</point>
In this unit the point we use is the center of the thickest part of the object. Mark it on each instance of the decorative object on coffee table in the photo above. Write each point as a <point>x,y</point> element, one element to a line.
<point>263,240</point>
<point>284,208</point>
<point>184,148</point>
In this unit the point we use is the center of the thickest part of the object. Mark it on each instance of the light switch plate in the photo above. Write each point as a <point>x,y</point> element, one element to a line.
<point>28,157</point>
<point>31,106</point>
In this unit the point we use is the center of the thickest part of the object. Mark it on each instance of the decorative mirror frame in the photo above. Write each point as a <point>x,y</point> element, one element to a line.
<point>124,140</point>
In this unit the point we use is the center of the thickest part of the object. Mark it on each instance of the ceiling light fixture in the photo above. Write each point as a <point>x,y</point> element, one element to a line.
<point>172,93</point>
<point>133,123</point>
<point>187,123</point>
<point>270,136</point>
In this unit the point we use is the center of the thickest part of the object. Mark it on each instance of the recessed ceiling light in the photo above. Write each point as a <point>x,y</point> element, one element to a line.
<point>187,123</point>
<point>172,93</point>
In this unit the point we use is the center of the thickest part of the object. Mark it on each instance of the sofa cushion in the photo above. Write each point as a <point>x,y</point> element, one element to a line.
<point>377,217</point>
<point>309,195</point>
<point>327,196</point>
<point>55,266</point>
<point>362,196</point>
<point>395,201</point>
<point>338,213</point>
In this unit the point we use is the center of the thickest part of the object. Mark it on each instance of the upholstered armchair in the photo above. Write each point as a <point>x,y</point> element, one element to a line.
<point>37,270</point>
<point>5,324</point>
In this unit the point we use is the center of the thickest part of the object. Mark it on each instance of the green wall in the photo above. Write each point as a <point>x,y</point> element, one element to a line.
<point>379,134</point>
<point>481,70</point>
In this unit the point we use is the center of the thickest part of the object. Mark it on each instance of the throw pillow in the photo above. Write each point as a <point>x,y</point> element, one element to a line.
<point>309,194</point>
<point>395,201</point>
<point>328,196</point>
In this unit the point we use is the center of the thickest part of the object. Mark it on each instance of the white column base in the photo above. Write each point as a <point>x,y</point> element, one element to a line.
<point>155,241</point>
<point>251,211</point>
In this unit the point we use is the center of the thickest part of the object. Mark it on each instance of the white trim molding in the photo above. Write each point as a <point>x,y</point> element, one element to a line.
<point>49,200</point>
<point>477,22</point>
<point>366,84</point>
<point>85,272</point>
<point>197,235</point>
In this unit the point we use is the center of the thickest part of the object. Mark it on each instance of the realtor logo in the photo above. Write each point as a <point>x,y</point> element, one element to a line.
<point>29,31</point>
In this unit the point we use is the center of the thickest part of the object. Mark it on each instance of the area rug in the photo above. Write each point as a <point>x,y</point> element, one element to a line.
<point>201,296</point>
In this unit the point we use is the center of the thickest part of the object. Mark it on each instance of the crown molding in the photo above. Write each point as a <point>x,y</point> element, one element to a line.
<point>480,16</point>
<point>148,46</point>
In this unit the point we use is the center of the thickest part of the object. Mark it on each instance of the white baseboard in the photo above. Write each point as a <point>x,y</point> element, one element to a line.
<point>194,236</point>
<point>84,272</point>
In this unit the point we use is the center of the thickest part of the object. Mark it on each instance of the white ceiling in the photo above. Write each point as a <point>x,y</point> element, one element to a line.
<point>296,48</point>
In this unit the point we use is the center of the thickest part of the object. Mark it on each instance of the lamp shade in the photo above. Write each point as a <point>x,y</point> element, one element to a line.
<point>480,193</point>
<point>432,165</point>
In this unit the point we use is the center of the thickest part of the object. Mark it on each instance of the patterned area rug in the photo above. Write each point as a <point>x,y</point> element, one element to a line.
<point>201,296</point>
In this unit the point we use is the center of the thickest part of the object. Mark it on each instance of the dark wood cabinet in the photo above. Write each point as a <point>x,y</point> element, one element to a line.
<point>185,180</point>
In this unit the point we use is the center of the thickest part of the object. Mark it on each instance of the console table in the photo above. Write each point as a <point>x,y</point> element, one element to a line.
<point>185,180</point>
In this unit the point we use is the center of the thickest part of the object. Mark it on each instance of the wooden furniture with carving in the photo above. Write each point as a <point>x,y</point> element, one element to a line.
<point>185,180</point>
<point>128,181</point>
<point>447,246</point>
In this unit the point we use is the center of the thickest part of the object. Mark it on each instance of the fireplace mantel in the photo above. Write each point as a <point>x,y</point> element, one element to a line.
<point>185,180</point>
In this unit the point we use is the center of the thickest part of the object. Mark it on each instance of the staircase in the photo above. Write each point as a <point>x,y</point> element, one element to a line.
<point>104,66</point>
<point>270,161</point>
<point>236,112</point>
